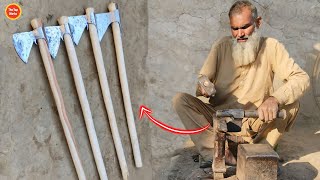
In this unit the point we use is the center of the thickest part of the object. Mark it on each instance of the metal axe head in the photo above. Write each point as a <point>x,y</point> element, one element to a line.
<point>77,25</point>
<point>103,21</point>
<point>22,43</point>
<point>54,36</point>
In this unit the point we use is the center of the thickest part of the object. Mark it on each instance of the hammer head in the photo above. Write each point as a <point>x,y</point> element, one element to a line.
<point>235,113</point>
<point>207,85</point>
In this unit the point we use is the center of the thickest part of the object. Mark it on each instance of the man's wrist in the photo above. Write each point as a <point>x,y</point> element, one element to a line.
<point>275,99</point>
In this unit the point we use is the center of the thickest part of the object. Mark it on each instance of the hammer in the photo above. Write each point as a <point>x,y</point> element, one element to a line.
<point>240,113</point>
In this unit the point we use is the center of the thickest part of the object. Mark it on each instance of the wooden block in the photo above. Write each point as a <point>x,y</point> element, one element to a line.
<point>256,162</point>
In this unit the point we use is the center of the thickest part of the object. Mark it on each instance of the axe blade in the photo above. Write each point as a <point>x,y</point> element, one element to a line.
<point>22,43</point>
<point>54,36</point>
<point>103,21</point>
<point>77,25</point>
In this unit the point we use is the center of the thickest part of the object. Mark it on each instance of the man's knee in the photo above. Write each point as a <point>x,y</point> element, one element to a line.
<point>179,100</point>
<point>292,108</point>
<point>291,113</point>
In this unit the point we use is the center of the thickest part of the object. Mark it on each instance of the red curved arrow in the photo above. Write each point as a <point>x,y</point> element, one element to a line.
<point>147,112</point>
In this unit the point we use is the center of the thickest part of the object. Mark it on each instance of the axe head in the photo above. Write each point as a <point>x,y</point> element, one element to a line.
<point>235,113</point>
<point>22,43</point>
<point>77,25</point>
<point>103,21</point>
<point>54,36</point>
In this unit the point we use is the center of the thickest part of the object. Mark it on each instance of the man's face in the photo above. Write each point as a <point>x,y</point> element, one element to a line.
<point>242,25</point>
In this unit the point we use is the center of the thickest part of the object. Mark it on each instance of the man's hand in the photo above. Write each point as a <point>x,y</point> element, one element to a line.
<point>268,109</point>
<point>206,87</point>
<point>203,92</point>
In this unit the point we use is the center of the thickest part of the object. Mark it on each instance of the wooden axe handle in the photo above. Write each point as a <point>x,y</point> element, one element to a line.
<point>47,61</point>
<point>75,68</point>
<point>125,89</point>
<point>107,96</point>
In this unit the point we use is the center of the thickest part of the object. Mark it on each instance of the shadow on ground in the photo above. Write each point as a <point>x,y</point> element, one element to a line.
<point>183,167</point>
<point>298,171</point>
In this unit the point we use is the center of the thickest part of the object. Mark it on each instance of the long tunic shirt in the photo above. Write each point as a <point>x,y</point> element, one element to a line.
<point>248,86</point>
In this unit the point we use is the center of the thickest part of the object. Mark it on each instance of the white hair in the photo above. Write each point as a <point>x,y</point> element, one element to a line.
<point>244,53</point>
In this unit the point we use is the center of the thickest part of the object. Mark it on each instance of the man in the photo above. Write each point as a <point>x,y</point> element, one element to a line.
<point>242,69</point>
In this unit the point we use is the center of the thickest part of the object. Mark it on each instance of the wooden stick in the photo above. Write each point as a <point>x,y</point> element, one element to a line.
<point>125,89</point>
<point>47,61</point>
<point>83,99</point>
<point>106,95</point>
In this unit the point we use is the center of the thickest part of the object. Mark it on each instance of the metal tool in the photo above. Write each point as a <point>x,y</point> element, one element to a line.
<point>240,113</point>
<point>207,85</point>
<point>220,129</point>
<point>54,35</point>
<point>77,25</point>
<point>124,87</point>
<point>23,43</point>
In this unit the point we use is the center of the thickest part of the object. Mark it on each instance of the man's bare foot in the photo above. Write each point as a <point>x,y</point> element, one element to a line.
<point>230,159</point>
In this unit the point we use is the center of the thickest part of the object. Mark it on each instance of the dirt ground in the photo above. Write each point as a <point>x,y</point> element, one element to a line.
<point>298,149</point>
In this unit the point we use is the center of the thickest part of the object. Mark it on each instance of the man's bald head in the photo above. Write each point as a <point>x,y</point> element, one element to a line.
<point>238,7</point>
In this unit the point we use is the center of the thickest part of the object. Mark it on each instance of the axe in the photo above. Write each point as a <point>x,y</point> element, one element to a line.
<point>23,43</point>
<point>77,25</point>
<point>124,86</point>
<point>240,113</point>
<point>54,34</point>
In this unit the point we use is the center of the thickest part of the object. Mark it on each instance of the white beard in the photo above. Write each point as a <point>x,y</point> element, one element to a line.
<point>244,53</point>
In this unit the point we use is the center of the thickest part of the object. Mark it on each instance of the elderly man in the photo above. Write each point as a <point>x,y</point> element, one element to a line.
<point>242,69</point>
